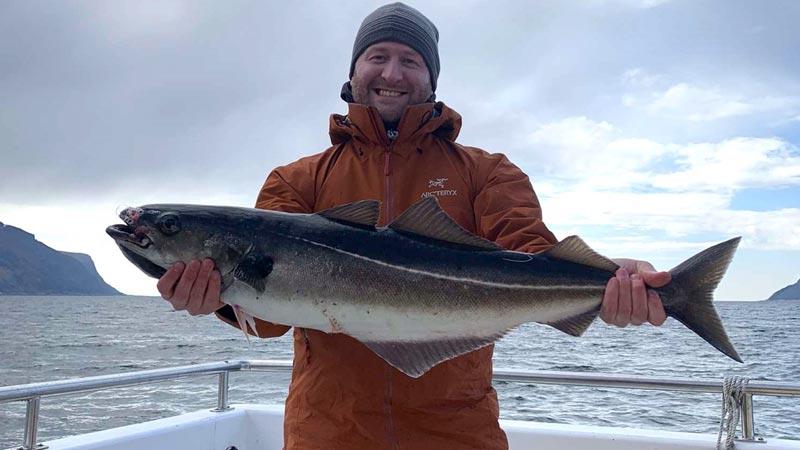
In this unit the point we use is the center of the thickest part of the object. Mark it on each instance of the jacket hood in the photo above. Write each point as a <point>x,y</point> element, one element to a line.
<point>363,123</point>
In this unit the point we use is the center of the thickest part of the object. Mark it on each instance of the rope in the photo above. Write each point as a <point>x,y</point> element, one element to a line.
<point>732,396</point>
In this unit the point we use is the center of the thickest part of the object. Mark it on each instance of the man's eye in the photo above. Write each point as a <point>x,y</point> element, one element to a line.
<point>411,62</point>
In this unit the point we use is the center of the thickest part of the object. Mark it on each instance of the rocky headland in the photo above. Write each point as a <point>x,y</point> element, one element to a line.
<point>29,267</point>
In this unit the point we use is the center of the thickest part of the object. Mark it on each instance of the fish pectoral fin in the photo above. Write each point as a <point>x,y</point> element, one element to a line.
<point>573,249</point>
<point>426,218</point>
<point>253,270</point>
<point>364,213</point>
<point>416,358</point>
<point>576,325</point>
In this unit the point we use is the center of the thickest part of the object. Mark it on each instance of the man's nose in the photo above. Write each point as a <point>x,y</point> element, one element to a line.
<point>392,71</point>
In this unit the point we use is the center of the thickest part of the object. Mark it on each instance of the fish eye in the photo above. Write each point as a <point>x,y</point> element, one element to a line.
<point>169,224</point>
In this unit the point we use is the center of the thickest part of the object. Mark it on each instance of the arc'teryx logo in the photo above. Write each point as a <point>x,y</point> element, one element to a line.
<point>439,183</point>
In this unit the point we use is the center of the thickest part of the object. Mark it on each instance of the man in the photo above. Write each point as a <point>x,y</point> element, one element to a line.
<point>397,145</point>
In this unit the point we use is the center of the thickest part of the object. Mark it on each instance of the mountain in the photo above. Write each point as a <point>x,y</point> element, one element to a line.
<point>791,292</point>
<point>29,267</point>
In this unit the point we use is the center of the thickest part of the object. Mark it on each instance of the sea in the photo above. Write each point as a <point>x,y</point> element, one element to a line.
<point>56,338</point>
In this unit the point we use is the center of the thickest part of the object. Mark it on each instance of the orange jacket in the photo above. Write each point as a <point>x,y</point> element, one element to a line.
<point>343,396</point>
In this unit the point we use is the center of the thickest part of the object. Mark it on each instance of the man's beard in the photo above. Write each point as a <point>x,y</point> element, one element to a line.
<point>390,114</point>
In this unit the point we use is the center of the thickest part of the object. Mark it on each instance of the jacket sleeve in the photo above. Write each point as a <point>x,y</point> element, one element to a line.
<point>506,208</point>
<point>288,189</point>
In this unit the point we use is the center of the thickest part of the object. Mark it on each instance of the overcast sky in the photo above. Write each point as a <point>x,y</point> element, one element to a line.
<point>652,128</point>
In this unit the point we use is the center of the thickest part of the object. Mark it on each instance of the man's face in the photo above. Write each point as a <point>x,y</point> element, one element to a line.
<point>390,76</point>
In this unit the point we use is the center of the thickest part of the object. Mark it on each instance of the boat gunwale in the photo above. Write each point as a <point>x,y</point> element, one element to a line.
<point>33,392</point>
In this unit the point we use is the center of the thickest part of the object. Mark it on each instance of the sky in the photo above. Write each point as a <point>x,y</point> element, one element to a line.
<point>651,128</point>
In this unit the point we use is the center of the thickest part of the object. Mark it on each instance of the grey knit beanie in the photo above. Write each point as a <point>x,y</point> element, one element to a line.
<point>398,22</point>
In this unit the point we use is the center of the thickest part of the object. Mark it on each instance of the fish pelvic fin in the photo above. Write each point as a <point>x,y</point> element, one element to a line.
<point>689,296</point>
<point>244,320</point>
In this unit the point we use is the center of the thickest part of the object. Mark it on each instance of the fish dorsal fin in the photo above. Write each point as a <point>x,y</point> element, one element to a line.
<point>426,218</point>
<point>362,212</point>
<point>573,249</point>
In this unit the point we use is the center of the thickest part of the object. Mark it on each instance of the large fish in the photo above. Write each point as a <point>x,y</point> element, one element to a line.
<point>417,292</point>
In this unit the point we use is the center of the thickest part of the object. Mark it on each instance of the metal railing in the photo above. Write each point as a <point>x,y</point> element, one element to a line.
<point>32,393</point>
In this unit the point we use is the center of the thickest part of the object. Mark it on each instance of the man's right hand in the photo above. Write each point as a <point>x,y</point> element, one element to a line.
<point>194,287</point>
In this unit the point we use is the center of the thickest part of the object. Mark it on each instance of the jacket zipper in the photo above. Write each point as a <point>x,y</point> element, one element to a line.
<point>387,408</point>
<point>387,170</point>
<point>308,345</point>
<point>387,173</point>
<point>388,394</point>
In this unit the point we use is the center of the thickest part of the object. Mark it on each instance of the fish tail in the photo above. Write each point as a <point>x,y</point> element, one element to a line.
<point>689,297</point>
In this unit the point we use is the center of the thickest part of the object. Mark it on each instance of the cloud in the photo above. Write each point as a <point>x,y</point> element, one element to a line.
<point>639,4</point>
<point>144,21</point>
<point>698,103</point>
<point>596,177</point>
<point>100,101</point>
<point>669,221</point>
<point>733,164</point>
<point>593,152</point>
<point>628,136</point>
<point>651,3</point>
<point>639,77</point>
<point>596,153</point>
<point>702,101</point>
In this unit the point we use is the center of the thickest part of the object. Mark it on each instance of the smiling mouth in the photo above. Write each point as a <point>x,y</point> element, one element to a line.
<point>388,93</point>
<point>124,233</point>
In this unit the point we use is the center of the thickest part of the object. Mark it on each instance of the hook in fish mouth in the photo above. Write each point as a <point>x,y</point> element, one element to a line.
<point>124,233</point>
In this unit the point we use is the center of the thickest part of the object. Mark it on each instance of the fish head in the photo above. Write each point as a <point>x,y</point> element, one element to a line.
<point>154,237</point>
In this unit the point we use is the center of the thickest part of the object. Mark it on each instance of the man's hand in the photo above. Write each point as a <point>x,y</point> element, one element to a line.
<point>194,287</point>
<point>627,299</point>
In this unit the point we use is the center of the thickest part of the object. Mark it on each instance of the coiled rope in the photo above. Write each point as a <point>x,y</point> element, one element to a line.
<point>732,397</point>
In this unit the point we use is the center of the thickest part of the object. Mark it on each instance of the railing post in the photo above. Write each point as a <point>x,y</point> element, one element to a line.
<point>32,425</point>
<point>748,423</point>
<point>746,413</point>
<point>222,393</point>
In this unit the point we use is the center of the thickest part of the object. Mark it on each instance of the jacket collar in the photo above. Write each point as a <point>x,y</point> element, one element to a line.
<point>363,123</point>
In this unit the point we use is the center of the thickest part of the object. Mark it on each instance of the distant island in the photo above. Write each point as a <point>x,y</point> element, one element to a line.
<point>29,267</point>
<point>791,292</point>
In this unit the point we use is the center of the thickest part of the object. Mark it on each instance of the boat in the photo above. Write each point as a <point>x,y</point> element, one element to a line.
<point>259,426</point>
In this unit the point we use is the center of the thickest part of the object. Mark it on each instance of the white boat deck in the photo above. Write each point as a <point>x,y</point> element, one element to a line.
<point>250,427</point>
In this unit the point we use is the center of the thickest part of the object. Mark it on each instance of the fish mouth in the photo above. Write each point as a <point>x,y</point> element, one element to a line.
<point>125,236</point>
<point>124,233</point>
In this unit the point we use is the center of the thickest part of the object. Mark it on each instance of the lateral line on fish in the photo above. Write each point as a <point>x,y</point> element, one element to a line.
<point>444,277</point>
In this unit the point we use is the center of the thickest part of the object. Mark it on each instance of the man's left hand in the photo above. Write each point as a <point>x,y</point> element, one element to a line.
<point>627,299</point>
